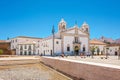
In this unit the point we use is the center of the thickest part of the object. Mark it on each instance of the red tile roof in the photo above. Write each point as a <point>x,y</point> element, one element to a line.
<point>97,42</point>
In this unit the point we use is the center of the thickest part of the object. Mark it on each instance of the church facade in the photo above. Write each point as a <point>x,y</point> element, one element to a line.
<point>70,41</point>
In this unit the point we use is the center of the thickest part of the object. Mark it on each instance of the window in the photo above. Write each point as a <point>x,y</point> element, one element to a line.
<point>68,48</point>
<point>57,42</point>
<point>110,50</point>
<point>21,53</point>
<point>25,47</point>
<point>63,26</point>
<point>29,52</point>
<point>87,29</point>
<point>29,48</point>
<point>38,51</point>
<point>13,46</point>
<point>21,48</point>
<point>76,39</point>
<point>25,53</point>
<point>83,49</point>
<point>44,52</point>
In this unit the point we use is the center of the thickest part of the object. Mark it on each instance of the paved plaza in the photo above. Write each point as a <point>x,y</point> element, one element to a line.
<point>112,60</point>
<point>30,68</point>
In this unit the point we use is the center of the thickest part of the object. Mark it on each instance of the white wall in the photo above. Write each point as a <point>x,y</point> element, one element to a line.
<point>68,40</point>
<point>47,46</point>
<point>101,47</point>
<point>84,41</point>
<point>26,49</point>
<point>112,50</point>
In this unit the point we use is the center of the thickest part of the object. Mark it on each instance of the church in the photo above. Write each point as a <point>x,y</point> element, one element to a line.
<point>70,41</point>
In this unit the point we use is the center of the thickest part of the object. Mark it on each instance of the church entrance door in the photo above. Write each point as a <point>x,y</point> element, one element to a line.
<point>76,50</point>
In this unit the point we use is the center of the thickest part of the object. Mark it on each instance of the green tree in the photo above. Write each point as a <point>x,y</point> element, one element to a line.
<point>98,50</point>
<point>107,52</point>
<point>1,51</point>
<point>92,50</point>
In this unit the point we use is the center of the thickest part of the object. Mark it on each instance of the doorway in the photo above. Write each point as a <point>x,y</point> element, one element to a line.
<point>116,53</point>
<point>76,50</point>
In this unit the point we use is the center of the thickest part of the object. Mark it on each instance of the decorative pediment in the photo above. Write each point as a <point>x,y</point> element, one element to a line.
<point>74,31</point>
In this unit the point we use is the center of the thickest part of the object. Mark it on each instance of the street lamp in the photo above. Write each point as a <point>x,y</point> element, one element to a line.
<point>53,31</point>
<point>119,53</point>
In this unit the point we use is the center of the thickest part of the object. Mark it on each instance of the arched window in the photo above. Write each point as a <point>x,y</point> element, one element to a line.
<point>83,49</point>
<point>87,29</point>
<point>63,26</point>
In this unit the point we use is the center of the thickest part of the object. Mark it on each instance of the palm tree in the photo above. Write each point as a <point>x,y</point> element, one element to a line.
<point>92,50</point>
<point>1,51</point>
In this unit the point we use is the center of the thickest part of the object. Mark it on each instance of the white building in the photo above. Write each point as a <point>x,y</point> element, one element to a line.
<point>25,45</point>
<point>67,40</point>
<point>47,46</point>
<point>99,47</point>
<point>74,40</point>
<point>112,49</point>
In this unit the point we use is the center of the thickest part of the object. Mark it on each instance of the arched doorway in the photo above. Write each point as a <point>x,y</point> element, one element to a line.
<point>76,50</point>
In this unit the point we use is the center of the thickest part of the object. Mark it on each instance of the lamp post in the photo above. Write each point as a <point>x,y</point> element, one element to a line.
<point>119,53</point>
<point>53,31</point>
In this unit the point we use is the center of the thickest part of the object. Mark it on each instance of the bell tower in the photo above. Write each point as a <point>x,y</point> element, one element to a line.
<point>85,27</point>
<point>62,25</point>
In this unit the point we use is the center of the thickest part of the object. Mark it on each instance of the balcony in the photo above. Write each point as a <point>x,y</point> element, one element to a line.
<point>76,42</point>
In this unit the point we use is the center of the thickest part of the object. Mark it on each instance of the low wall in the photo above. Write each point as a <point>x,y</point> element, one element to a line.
<point>18,62</point>
<point>83,71</point>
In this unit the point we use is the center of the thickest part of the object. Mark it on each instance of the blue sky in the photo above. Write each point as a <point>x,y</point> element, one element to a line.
<point>36,17</point>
